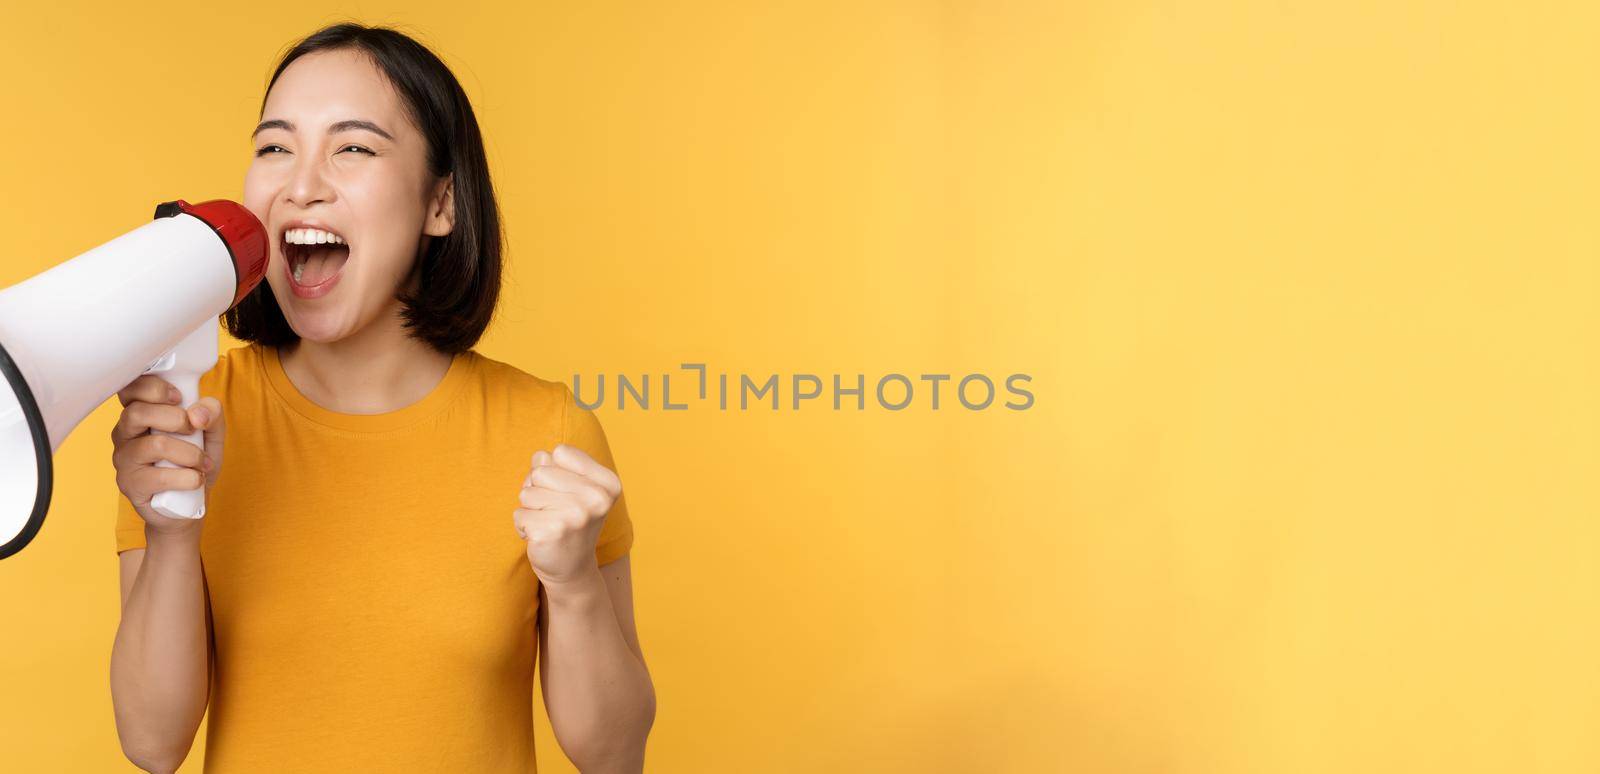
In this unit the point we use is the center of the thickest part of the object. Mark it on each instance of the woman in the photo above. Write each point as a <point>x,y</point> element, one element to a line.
<point>354,598</point>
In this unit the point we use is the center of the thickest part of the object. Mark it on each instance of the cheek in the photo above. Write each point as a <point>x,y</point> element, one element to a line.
<point>258,188</point>
<point>391,222</point>
<point>377,199</point>
<point>386,256</point>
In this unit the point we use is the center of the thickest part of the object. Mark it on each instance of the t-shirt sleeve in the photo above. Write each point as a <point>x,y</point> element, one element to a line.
<point>130,526</point>
<point>581,428</point>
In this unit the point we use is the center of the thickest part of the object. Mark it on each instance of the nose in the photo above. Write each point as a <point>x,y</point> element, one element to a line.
<point>308,185</point>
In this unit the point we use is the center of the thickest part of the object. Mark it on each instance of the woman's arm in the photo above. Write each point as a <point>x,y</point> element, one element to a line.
<point>161,659</point>
<point>597,689</point>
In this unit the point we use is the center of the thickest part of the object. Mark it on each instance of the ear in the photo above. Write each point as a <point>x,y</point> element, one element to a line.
<point>441,218</point>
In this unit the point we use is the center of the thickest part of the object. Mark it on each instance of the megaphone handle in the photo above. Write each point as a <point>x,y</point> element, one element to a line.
<point>182,367</point>
<point>182,503</point>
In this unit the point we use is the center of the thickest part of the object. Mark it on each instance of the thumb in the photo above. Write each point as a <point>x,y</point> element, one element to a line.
<point>206,414</point>
<point>540,457</point>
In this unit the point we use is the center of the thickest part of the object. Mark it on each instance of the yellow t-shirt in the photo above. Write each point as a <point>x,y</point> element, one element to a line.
<point>373,607</point>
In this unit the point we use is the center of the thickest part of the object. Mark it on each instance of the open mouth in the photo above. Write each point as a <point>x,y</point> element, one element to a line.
<point>314,256</point>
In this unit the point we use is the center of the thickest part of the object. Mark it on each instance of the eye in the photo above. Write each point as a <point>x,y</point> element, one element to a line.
<point>358,149</point>
<point>265,149</point>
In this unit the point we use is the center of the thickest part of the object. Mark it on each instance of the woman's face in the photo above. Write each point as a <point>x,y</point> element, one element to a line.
<point>338,160</point>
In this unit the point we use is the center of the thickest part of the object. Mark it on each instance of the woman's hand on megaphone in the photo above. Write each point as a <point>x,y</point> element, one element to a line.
<point>149,403</point>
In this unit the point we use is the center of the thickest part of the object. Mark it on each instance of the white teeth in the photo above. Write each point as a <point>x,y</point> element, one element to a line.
<point>311,236</point>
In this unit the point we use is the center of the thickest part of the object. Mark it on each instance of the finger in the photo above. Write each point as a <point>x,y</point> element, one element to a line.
<point>525,520</point>
<point>589,495</point>
<point>140,417</point>
<point>540,457</point>
<point>207,415</point>
<point>150,449</point>
<point>149,388</point>
<point>150,480</point>
<point>536,525</point>
<point>578,461</point>
<point>539,498</point>
<point>214,423</point>
<point>559,479</point>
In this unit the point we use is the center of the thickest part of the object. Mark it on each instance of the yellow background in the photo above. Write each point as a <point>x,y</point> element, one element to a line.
<point>1306,289</point>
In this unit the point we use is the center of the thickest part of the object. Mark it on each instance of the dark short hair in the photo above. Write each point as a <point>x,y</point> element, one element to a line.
<point>459,274</point>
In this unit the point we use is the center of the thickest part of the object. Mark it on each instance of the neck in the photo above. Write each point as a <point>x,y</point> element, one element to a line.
<point>375,370</point>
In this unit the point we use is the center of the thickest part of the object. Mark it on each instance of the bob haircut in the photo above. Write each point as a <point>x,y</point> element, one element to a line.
<point>458,276</point>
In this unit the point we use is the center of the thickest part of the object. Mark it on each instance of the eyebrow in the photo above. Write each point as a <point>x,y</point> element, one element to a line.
<point>335,128</point>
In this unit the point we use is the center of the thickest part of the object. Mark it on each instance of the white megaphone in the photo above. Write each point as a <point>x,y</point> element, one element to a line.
<point>145,302</point>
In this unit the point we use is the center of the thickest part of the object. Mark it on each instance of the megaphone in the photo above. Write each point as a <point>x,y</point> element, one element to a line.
<point>71,337</point>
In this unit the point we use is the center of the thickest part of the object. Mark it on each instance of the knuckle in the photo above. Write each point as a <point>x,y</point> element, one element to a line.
<point>163,446</point>
<point>145,448</point>
<point>155,446</point>
<point>159,417</point>
<point>131,453</point>
<point>130,392</point>
<point>138,418</point>
<point>135,484</point>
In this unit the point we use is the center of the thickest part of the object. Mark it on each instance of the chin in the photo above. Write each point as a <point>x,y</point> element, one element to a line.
<point>319,331</point>
<point>321,326</point>
<point>321,320</point>
<point>316,338</point>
